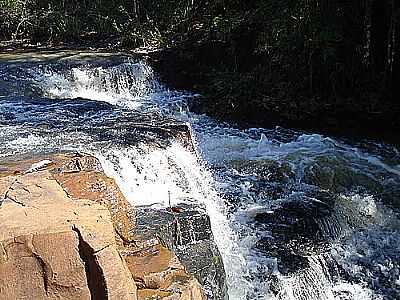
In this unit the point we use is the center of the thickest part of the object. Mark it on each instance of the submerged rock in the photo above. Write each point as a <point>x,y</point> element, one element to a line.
<point>67,232</point>
<point>301,225</point>
<point>265,169</point>
<point>309,224</point>
<point>338,175</point>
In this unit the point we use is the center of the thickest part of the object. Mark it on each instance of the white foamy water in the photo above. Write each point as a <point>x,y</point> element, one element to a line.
<point>129,84</point>
<point>219,177</point>
<point>155,177</point>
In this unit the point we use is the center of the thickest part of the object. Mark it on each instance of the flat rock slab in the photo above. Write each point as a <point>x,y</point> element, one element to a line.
<point>53,246</point>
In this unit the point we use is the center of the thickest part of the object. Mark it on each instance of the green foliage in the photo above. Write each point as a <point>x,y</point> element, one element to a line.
<point>63,20</point>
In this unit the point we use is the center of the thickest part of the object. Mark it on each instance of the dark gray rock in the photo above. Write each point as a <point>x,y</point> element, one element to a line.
<point>186,230</point>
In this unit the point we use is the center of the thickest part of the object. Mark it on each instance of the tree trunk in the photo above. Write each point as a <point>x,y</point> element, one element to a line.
<point>379,34</point>
<point>396,54</point>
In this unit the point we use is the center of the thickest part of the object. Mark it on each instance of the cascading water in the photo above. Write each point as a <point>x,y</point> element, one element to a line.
<point>295,216</point>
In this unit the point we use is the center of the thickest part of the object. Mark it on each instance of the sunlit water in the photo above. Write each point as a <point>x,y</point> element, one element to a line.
<point>295,215</point>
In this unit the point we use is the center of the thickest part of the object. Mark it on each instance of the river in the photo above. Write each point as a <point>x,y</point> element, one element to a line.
<point>296,215</point>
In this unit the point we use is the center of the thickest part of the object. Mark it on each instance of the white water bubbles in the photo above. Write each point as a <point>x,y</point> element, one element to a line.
<point>316,283</point>
<point>252,192</point>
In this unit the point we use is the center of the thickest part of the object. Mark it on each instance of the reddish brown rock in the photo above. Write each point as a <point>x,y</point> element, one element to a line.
<point>82,177</point>
<point>33,267</point>
<point>56,247</point>
<point>159,275</point>
<point>67,232</point>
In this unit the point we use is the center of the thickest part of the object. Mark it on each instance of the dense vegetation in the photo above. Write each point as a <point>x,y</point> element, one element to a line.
<point>310,63</point>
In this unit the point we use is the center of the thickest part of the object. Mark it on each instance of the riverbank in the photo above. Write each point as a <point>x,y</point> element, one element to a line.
<point>197,67</point>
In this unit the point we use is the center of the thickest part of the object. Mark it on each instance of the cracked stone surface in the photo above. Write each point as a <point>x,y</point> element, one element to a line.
<point>56,247</point>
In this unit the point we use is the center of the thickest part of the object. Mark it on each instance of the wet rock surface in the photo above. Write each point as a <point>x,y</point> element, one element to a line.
<point>265,170</point>
<point>186,229</point>
<point>304,224</point>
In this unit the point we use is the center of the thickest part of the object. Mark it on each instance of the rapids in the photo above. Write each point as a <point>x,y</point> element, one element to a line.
<point>295,215</point>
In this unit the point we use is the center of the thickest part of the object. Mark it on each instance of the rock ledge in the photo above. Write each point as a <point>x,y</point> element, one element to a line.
<point>67,232</point>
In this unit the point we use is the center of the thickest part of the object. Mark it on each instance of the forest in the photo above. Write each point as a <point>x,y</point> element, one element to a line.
<point>321,64</point>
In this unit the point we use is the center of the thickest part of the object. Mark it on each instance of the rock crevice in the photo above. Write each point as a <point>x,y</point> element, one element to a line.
<point>94,273</point>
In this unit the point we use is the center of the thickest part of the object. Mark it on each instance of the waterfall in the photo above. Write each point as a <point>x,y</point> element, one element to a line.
<point>291,212</point>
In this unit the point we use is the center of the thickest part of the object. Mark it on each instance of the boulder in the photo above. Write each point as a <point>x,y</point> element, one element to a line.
<point>338,175</point>
<point>186,229</point>
<point>265,169</point>
<point>67,232</point>
<point>53,247</point>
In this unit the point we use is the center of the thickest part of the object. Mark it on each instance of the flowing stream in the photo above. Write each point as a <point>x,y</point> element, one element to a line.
<point>295,215</point>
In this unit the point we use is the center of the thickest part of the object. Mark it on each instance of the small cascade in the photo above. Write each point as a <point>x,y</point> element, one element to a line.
<point>321,281</point>
<point>128,84</point>
<point>311,283</point>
